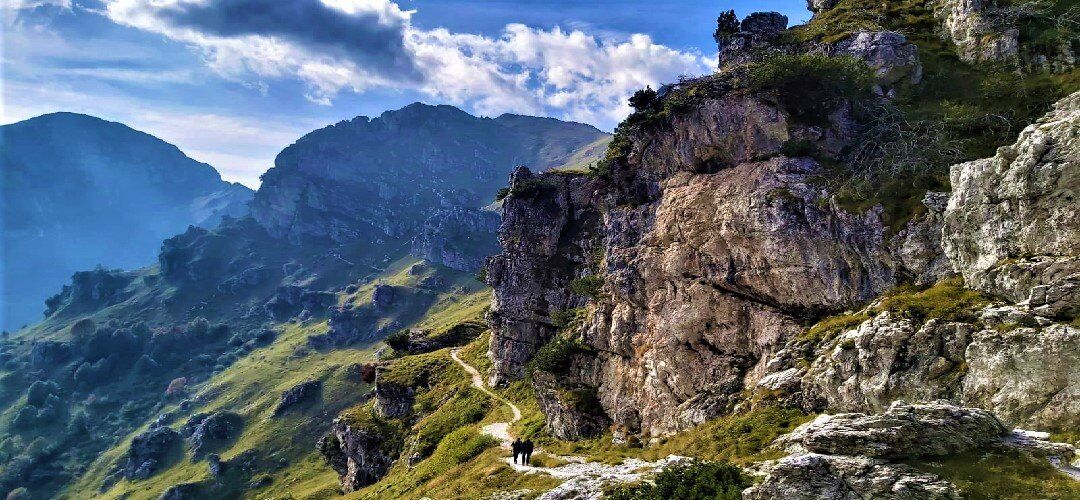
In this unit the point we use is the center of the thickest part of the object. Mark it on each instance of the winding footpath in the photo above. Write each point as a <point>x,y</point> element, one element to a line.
<point>582,479</point>
<point>497,430</point>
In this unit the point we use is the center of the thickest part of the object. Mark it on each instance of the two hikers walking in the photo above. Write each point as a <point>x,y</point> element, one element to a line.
<point>522,448</point>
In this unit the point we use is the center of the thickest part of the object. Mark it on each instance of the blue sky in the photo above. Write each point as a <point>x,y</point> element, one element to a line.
<point>231,82</point>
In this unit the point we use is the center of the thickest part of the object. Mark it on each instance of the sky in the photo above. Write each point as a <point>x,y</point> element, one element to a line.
<point>232,82</point>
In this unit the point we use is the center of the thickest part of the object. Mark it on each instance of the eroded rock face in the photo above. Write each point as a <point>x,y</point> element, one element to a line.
<point>971,26</point>
<point>917,246</point>
<point>855,455</point>
<point>356,454</point>
<point>901,432</point>
<point>1012,227</point>
<point>548,233</point>
<point>885,359</point>
<point>814,476</point>
<point>894,60</point>
<point>1028,376</point>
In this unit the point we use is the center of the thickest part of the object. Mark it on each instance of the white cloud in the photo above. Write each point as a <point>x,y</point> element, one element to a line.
<point>569,74</point>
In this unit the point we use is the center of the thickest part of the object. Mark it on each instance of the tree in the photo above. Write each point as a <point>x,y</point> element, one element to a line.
<point>643,99</point>
<point>726,25</point>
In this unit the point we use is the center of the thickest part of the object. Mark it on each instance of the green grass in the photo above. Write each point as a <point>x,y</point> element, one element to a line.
<point>740,438</point>
<point>832,326</point>
<point>947,300</point>
<point>1003,475</point>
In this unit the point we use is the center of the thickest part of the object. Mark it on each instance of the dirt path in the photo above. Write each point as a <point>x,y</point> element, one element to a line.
<point>581,479</point>
<point>497,430</point>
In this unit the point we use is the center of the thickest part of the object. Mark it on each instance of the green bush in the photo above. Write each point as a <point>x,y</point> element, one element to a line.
<point>810,86</point>
<point>556,355</point>
<point>587,286</point>
<point>698,480</point>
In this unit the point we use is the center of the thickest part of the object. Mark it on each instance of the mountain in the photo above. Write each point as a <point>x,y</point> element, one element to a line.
<point>382,178</point>
<point>844,265</point>
<point>362,229</point>
<point>80,191</point>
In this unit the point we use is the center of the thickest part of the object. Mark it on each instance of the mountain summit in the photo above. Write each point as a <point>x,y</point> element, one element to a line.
<point>80,191</point>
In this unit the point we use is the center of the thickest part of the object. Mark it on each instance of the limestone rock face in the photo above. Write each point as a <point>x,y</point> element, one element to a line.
<point>917,246</point>
<point>356,454</point>
<point>886,359</point>
<point>972,28</point>
<point>813,476</point>
<point>1027,376</point>
<point>569,420</point>
<point>1012,227</point>
<point>894,60</point>
<point>855,455</point>
<point>548,233</point>
<point>756,35</point>
<point>902,431</point>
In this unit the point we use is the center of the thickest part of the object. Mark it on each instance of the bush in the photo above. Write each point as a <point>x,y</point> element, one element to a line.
<point>811,86</point>
<point>643,100</point>
<point>693,481</point>
<point>39,391</point>
<point>556,355</point>
<point>399,341</point>
<point>587,286</point>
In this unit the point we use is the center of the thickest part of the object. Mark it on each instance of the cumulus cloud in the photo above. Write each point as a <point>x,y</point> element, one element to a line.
<point>354,45</point>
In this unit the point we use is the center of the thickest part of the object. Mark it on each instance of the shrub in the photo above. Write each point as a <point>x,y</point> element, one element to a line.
<point>556,355</point>
<point>399,341</point>
<point>583,400</point>
<point>39,391</point>
<point>726,25</point>
<point>643,100</point>
<point>810,86</point>
<point>587,286</point>
<point>693,481</point>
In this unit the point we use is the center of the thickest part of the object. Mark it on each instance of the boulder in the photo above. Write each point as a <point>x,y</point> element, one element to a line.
<point>904,431</point>
<point>297,394</point>
<point>149,452</point>
<point>814,476</point>
<point>207,432</point>
<point>358,454</point>
<point>894,60</point>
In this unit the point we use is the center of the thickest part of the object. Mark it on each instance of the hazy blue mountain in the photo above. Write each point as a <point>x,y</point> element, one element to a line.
<point>79,191</point>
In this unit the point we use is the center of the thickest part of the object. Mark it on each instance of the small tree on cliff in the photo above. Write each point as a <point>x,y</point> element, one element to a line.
<point>643,99</point>
<point>726,25</point>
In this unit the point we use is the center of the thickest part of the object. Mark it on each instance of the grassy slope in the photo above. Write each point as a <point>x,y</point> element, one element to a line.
<point>252,387</point>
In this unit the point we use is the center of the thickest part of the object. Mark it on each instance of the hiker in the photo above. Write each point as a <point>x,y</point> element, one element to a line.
<point>518,448</point>
<point>527,449</point>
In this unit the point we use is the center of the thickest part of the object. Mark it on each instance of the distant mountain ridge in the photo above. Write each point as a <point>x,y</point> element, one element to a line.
<point>80,191</point>
<point>382,178</point>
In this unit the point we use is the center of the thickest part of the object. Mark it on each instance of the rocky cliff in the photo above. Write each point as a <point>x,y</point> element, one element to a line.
<point>696,261</point>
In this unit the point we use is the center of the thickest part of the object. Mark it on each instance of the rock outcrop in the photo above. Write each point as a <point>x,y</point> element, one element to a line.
<point>813,476</point>
<point>149,452</point>
<point>1012,227</point>
<point>989,32</point>
<point>296,395</point>
<point>854,456</point>
<point>359,455</point>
